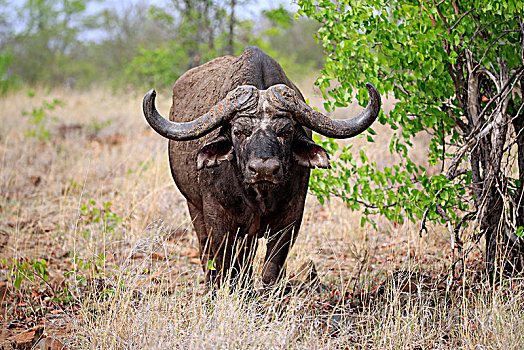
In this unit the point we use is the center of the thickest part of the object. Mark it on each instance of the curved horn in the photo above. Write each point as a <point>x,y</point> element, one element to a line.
<point>336,128</point>
<point>235,100</point>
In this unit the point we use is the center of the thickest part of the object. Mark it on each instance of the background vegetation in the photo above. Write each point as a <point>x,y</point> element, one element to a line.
<point>82,43</point>
<point>96,246</point>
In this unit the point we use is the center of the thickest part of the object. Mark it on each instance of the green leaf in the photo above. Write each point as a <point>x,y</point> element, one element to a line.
<point>211,265</point>
<point>18,281</point>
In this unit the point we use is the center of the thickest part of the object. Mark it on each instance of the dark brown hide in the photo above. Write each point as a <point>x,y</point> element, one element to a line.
<point>221,215</point>
<point>240,153</point>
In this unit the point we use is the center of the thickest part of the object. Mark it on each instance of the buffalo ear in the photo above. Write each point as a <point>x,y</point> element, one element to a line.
<point>215,152</point>
<point>307,153</point>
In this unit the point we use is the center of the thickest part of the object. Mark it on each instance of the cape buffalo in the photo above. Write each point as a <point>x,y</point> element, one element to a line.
<point>240,151</point>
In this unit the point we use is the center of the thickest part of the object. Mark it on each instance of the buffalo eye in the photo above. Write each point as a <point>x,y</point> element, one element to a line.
<point>285,131</point>
<point>241,133</point>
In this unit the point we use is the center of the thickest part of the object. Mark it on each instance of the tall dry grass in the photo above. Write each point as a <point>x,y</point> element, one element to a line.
<point>376,289</point>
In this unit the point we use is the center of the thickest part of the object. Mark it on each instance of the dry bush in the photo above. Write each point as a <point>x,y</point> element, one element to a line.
<point>97,202</point>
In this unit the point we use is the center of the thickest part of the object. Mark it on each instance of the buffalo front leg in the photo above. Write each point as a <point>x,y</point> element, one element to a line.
<point>244,254</point>
<point>233,256</point>
<point>215,245</point>
<point>278,247</point>
<point>204,245</point>
<point>231,251</point>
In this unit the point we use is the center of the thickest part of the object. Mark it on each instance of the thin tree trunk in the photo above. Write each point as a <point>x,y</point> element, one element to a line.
<point>209,26</point>
<point>491,226</point>
<point>518,125</point>
<point>231,28</point>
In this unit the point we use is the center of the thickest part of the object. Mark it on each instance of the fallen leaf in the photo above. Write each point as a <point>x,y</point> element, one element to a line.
<point>49,344</point>
<point>35,180</point>
<point>193,253</point>
<point>158,256</point>
<point>27,338</point>
<point>138,256</point>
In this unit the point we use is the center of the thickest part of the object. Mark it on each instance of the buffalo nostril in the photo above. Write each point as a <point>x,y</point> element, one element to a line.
<point>253,167</point>
<point>264,169</point>
<point>271,167</point>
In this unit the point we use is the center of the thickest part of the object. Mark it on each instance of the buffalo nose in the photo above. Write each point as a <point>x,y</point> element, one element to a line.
<point>264,169</point>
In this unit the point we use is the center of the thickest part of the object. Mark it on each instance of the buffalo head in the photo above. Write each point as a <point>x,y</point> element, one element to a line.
<point>262,130</point>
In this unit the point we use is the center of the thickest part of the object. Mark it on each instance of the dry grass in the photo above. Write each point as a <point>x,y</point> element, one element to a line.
<point>379,289</point>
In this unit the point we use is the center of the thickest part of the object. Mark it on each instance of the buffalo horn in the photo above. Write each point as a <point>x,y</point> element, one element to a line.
<point>216,116</point>
<point>336,128</point>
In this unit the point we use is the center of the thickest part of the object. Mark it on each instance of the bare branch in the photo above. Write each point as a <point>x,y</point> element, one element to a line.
<point>423,223</point>
<point>492,76</point>
<point>401,88</point>
<point>455,71</point>
<point>365,204</point>
<point>490,46</point>
<point>518,72</point>
<point>442,213</point>
<point>461,17</point>
<point>442,17</point>
<point>500,127</point>
<point>473,81</point>
<point>372,206</point>
<point>522,36</point>
<point>476,137</point>
<point>459,224</point>
<point>480,29</point>
<point>455,7</point>
<point>515,139</point>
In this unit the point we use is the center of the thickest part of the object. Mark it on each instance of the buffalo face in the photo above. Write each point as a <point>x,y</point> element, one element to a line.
<point>264,140</point>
